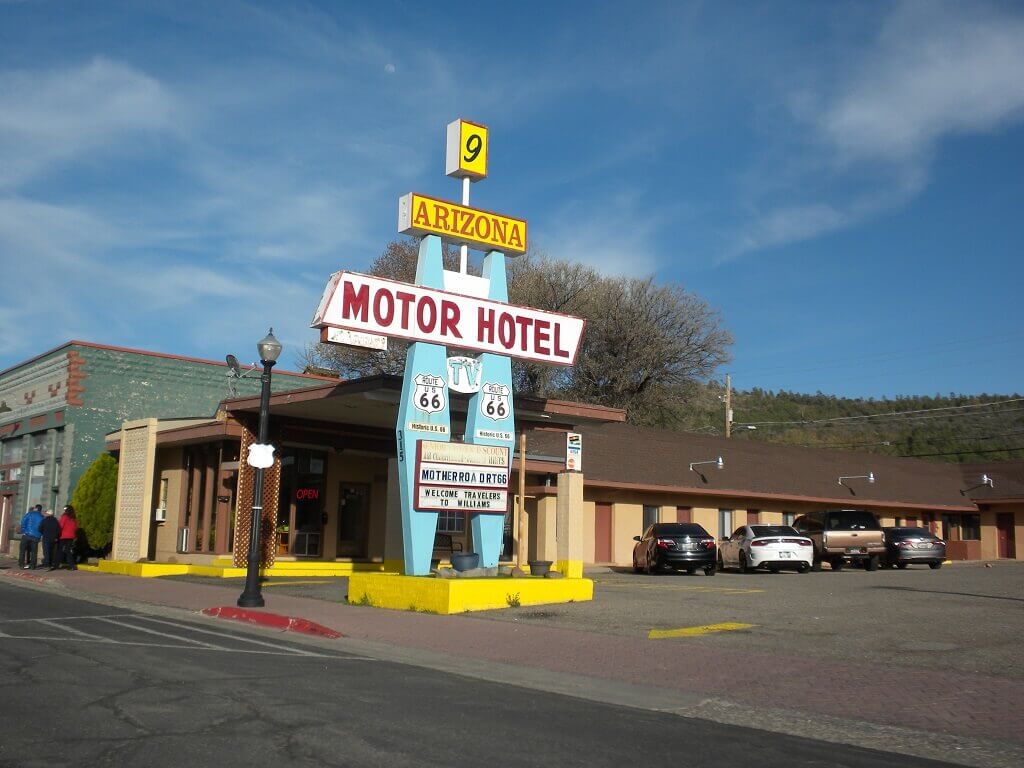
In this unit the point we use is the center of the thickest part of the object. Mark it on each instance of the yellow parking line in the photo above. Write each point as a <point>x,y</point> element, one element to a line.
<point>706,629</point>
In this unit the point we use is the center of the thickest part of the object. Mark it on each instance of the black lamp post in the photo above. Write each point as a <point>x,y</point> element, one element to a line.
<point>269,349</point>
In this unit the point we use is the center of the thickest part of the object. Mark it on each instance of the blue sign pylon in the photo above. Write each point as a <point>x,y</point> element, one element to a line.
<point>424,414</point>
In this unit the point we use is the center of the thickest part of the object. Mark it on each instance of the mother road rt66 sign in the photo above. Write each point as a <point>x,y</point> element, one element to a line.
<point>473,314</point>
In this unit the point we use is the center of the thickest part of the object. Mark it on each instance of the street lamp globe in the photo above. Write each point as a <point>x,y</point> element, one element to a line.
<point>269,348</point>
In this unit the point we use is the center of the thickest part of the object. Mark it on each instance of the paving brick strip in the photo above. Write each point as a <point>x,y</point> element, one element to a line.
<point>952,703</point>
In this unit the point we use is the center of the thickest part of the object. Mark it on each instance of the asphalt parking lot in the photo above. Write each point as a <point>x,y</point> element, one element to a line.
<point>964,617</point>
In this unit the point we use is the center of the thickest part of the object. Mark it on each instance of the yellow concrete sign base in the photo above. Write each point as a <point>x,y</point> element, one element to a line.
<point>445,596</point>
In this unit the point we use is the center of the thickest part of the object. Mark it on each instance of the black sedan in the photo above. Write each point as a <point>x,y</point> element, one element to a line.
<point>675,546</point>
<point>904,546</point>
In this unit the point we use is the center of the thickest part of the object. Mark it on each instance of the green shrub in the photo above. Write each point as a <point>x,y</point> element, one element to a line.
<point>94,500</point>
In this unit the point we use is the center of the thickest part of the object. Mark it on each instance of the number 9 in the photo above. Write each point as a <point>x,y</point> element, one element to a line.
<point>473,146</point>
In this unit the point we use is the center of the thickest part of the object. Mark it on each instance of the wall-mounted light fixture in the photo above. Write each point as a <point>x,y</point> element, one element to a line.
<point>985,480</point>
<point>719,464</point>
<point>870,477</point>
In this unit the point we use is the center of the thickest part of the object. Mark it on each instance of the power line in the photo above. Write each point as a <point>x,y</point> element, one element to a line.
<point>888,414</point>
<point>961,453</point>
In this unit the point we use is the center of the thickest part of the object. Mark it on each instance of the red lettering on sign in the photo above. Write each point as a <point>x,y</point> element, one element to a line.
<point>383,307</point>
<point>450,319</point>
<point>506,330</point>
<point>559,352</point>
<point>541,337</point>
<point>426,314</point>
<point>404,299</point>
<point>485,325</point>
<point>307,494</point>
<point>467,223</point>
<point>524,324</point>
<point>421,215</point>
<point>354,303</point>
<point>483,227</point>
<point>515,237</point>
<point>441,217</point>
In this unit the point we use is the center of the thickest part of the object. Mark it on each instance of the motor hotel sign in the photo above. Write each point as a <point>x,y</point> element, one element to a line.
<point>376,305</point>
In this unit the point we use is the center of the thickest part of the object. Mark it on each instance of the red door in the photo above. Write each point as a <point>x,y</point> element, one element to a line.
<point>684,515</point>
<point>1005,536</point>
<point>602,533</point>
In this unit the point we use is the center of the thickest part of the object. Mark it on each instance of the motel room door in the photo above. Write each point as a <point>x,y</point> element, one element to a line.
<point>353,519</point>
<point>602,532</point>
<point>1005,535</point>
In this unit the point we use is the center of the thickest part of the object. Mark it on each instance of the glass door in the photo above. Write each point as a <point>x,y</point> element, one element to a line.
<point>353,519</point>
<point>300,517</point>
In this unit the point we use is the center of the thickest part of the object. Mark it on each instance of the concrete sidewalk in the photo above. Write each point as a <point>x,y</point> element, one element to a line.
<point>954,710</point>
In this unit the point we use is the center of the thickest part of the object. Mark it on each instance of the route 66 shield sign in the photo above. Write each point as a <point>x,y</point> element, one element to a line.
<point>429,395</point>
<point>494,401</point>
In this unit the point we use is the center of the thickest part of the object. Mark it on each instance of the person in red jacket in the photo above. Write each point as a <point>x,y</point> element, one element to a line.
<point>68,530</point>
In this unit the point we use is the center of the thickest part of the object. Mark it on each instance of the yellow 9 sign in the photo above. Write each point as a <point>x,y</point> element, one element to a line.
<point>466,151</point>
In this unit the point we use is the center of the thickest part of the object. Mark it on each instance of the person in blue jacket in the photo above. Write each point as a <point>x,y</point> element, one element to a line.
<point>30,535</point>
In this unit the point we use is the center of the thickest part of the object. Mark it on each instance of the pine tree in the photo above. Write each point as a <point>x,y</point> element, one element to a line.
<point>94,500</point>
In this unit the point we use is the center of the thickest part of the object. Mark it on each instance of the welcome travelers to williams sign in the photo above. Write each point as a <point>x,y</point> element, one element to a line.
<point>368,304</point>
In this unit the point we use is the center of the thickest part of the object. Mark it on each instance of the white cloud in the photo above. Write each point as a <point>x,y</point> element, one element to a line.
<point>934,70</point>
<point>56,115</point>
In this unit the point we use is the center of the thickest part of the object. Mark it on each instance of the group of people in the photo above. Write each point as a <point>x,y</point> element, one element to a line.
<point>57,538</point>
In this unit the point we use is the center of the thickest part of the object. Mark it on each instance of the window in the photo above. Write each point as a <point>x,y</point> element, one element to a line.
<point>37,481</point>
<point>451,522</point>
<point>14,451</point>
<point>970,527</point>
<point>899,522</point>
<point>788,518</point>
<point>164,482</point>
<point>38,442</point>
<point>650,515</point>
<point>724,522</point>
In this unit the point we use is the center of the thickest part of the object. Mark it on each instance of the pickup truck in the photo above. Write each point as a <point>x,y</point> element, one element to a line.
<point>842,535</point>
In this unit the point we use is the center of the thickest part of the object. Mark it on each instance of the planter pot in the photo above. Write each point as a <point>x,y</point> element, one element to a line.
<point>465,561</point>
<point>539,567</point>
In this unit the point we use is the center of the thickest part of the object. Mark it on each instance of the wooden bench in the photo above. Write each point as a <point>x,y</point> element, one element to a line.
<point>443,544</point>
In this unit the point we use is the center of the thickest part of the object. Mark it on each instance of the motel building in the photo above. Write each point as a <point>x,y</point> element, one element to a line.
<point>333,490</point>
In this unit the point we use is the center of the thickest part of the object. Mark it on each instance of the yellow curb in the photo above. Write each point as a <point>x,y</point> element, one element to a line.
<point>706,629</point>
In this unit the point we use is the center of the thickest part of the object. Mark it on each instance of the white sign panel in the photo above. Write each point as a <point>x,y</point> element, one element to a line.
<point>467,475</point>
<point>431,497</point>
<point>374,305</point>
<point>356,339</point>
<point>574,451</point>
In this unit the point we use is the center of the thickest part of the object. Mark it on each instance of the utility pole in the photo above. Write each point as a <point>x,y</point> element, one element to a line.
<point>728,405</point>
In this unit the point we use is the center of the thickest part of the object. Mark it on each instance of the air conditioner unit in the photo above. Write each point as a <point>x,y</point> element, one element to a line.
<point>160,515</point>
<point>183,540</point>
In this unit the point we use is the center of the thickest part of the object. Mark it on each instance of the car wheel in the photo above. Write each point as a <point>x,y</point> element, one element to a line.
<point>871,564</point>
<point>649,567</point>
<point>901,566</point>
<point>935,566</point>
<point>709,570</point>
<point>816,565</point>
<point>803,568</point>
<point>744,566</point>
<point>721,562</point>
<point>837,564</point>
<point>636,568</point>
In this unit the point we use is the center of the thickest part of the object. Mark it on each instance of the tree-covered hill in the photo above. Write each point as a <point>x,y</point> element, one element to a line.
<point>941,427</point>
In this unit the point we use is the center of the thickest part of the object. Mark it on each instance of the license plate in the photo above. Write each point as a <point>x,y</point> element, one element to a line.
<point>923,545</point>
<point>855,550</point>
<point>687,547</point>
<point>785,555</point>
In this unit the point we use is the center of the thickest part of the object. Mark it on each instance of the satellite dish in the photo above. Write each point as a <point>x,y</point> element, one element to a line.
<point>236,371</point>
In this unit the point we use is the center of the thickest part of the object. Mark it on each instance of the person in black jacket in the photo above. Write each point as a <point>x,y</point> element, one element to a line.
<point>49,531</point>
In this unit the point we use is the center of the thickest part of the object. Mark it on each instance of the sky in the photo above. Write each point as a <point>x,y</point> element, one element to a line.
<point>841,181</point>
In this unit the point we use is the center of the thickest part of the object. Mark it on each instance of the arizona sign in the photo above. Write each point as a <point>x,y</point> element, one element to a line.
<point>422,215</point>
<point>375,305</point>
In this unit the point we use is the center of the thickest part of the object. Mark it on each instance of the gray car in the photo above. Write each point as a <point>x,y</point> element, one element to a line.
<point>905,546</point>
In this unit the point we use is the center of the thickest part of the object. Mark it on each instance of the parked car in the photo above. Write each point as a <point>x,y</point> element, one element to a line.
<point>771,547</point>
<point>679,546</point>
<point>842,535</point>
<point>904,546</point>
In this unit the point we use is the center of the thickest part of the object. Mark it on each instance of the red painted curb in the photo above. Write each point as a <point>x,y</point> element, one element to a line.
<point>275,620</point>
<point>20,574</point>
